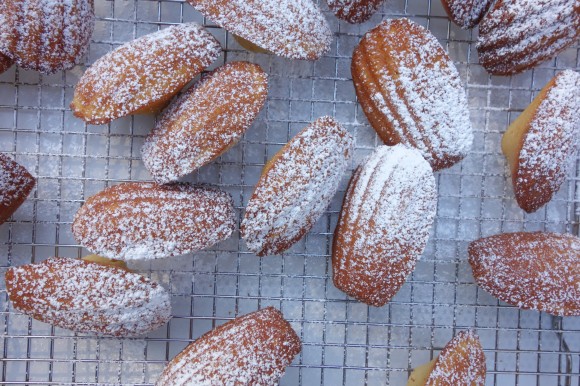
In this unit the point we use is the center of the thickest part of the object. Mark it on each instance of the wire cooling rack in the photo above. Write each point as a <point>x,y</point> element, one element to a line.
<point>345,342</point>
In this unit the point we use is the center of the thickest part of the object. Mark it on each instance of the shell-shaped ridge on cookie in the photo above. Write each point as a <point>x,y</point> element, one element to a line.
<point>206,121</point>
<point>46,35</point>
<point>294,29</point>
<point>384,224</point>
<point>296,187</point>
<point>142,220</point>
<point>530,270</point>
<point>411,92</point>
<point>253,349</point>
<point>142,75</point>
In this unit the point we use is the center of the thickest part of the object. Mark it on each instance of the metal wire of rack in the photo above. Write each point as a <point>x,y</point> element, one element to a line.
<point>344,342</point>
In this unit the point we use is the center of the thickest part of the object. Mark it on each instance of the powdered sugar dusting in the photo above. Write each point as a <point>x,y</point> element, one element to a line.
<point>205,121</point>
<point>88,297</point>
<point>294,192</point>
<point>146,221</point>
<point>517,34</point>
<point>550,143</point>
<point>294,29</point>
<point>354,11</point>
<point>402,73</point>
<point>15,185</point>
<point>538,271</point>
<point>46,35</point>
<point>384,224</point>
<point>462,362</point>
<point>251,350</point>
<point>143,72</point>
<point>466,13</point>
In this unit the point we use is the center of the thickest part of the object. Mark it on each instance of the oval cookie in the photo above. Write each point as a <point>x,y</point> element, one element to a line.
<point>46,35</point>
<point>253,349</point>
<point>141,220</point>
<point>144,74</point>
<point>84,296</point>
<point>206,121</point>
<point>296,186</point>
<point>15,186</point>
<point>384,224</point>
<point>537,271</point>
<point>411,92</point>
<point>294,29</point>
<point>516,35</point>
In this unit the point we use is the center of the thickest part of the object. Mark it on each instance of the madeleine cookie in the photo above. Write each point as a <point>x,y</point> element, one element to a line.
<point>5,63</point>
<point>85,296</point>
<point>46,35</point>
<point>354,11</point>
<point>144,74</point>
<point>462,362</point>
<point>466,13</point>
<point>296,186</point>
<point>15,185</point>
<point>206,121</point>
<point>411,92</point>
<point>294,29</point>
<point>516,35</point>
<point>384,224</point>
<point>250,350</point>
<point>536,271</point>
<point>540,143</point>
<point>141,220</point>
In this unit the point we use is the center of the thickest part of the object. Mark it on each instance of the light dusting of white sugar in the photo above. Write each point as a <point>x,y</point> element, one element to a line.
<point>295,191</point>
<point>517,34</point>
<point>551,142</point>
<point>144,71</point>
<point>538,271</point>
<point>89,297</point>
<point>15,185</point>
<point>354,11</point>
<point>46,35</point>
<point>146,221</point>
<point>5,63</point>
<point>205,121</point>
<point>251,350</point>
<point>419,94</point>
<point>295,29</point>
<point>467,13</point>
<point>384,224</point>
<point>462,362</point>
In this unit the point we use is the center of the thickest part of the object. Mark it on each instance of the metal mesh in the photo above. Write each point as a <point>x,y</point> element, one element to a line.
<point>345,342</point>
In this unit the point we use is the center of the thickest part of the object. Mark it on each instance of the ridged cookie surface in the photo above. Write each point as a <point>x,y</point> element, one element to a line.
<point>296,186</point>
<point>88,297</point>
<point>5,63</point>
<point>466,13</point>
<point>206,121</point>
<point>294,29</point>
<point>411,92</point>
<point>354,11</point>
<point>537,270</point>
<point>15,185</point>
<point>384,224</point>
<point>516,35</point>
<point>144,74</point>
<point>141,220</point>
<point>462,362</point>
<point>250,350</point>
<point>46,35</point>
<point>551,133</point>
